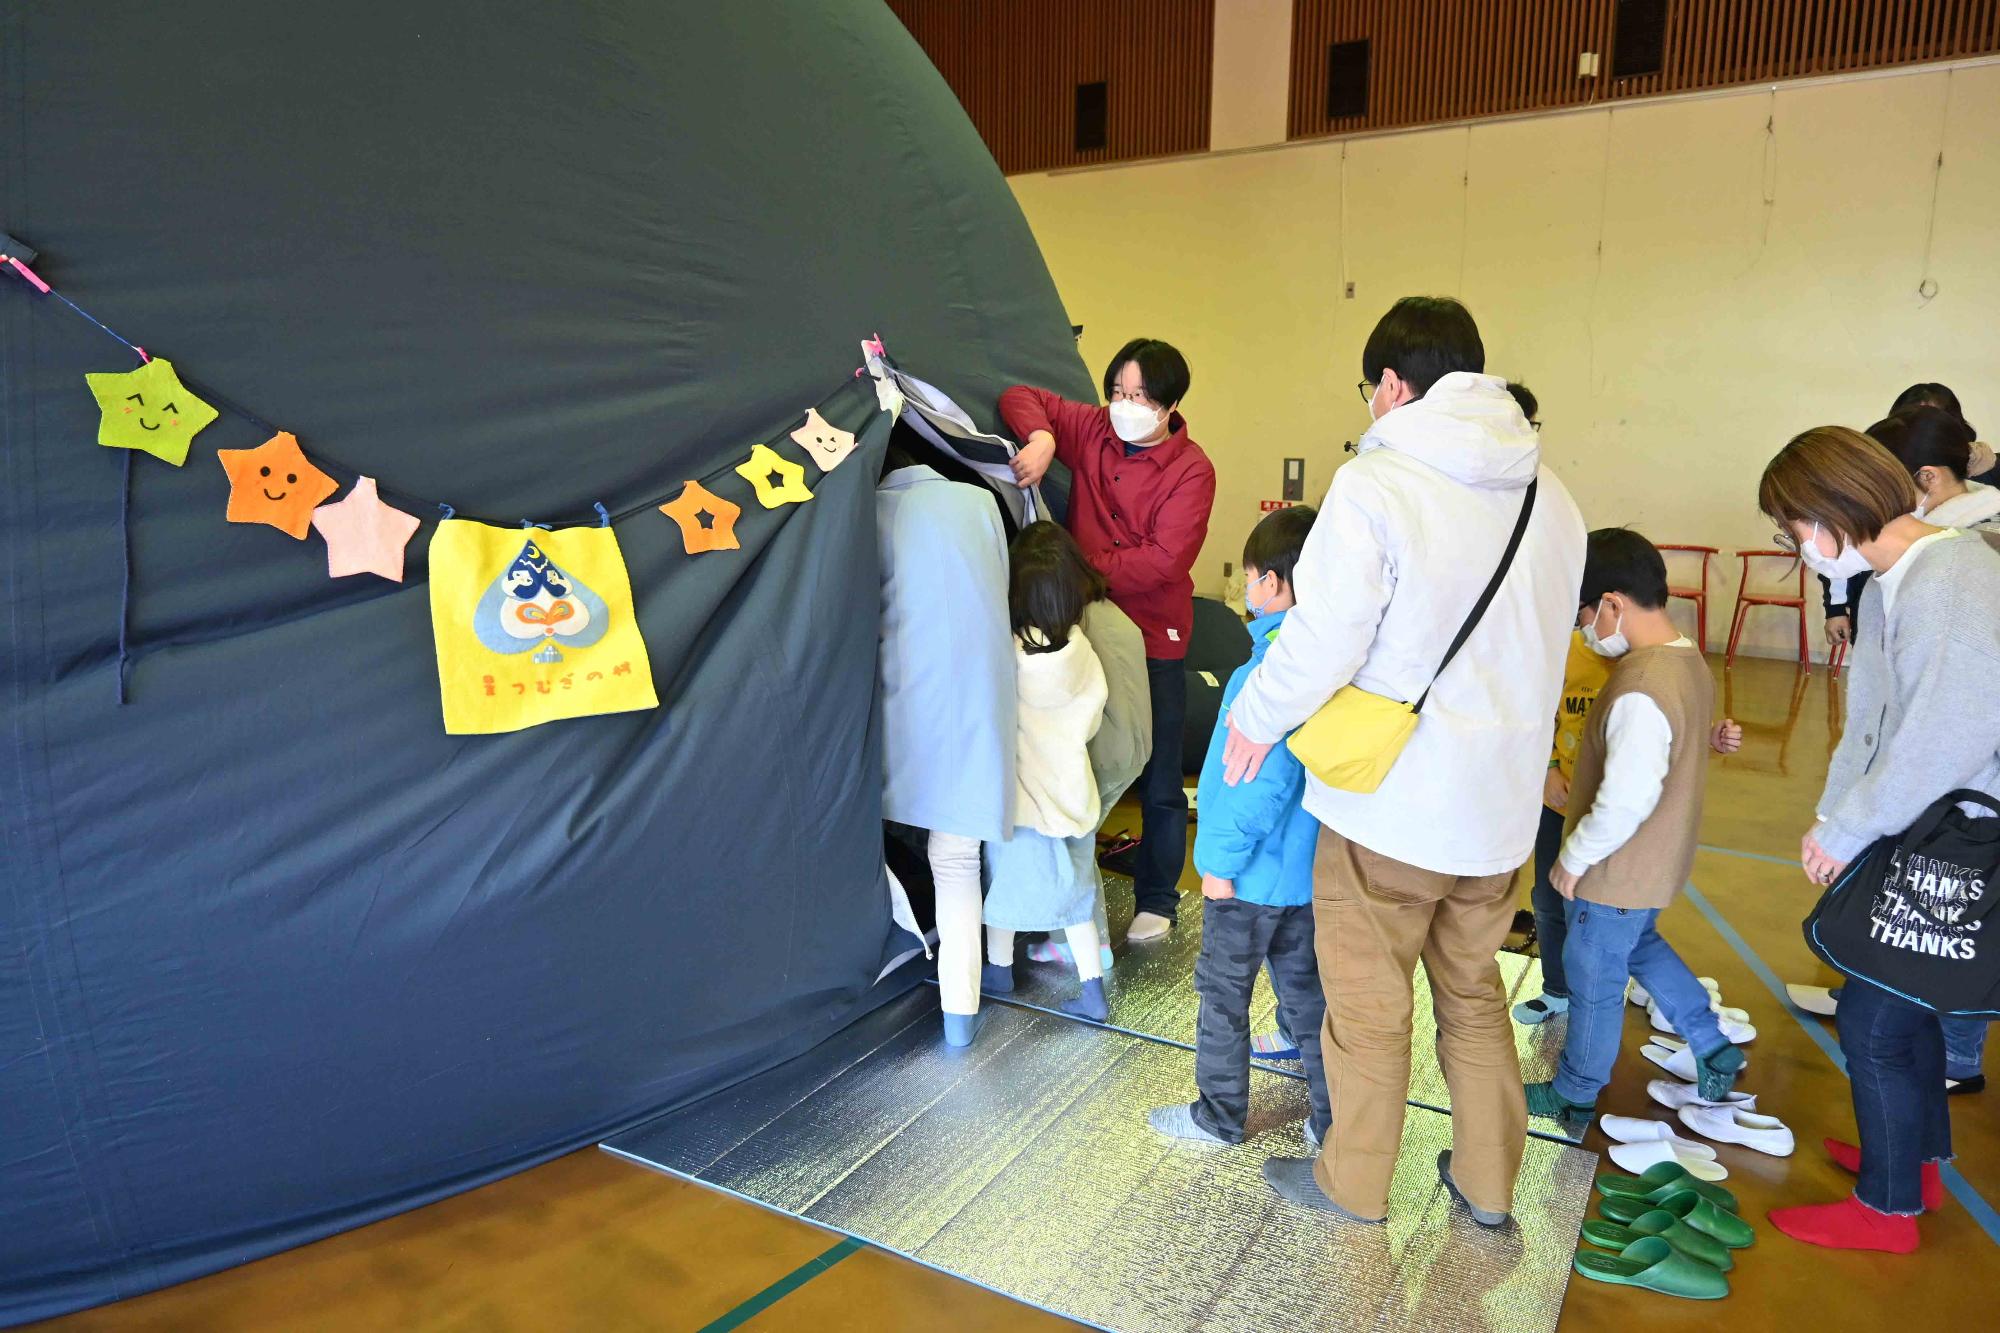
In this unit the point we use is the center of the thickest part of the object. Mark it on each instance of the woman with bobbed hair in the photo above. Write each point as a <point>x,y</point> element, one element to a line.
<point>1919,725</point>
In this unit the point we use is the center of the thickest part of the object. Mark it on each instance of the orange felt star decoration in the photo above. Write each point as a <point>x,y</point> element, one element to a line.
<point>707,521</point>
<point>274,484</point>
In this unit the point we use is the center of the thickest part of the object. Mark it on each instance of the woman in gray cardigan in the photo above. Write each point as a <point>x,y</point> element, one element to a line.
<point>1919,724</point>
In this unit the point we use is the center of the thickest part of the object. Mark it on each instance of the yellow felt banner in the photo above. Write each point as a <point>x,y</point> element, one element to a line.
<point>533,626</point>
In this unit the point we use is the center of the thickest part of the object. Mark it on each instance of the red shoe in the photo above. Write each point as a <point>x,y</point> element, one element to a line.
<point>1847,1225</point>
<point>1848,1157</point>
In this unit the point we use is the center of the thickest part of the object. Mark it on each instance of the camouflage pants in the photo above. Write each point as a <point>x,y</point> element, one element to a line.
<point>1237,938</point>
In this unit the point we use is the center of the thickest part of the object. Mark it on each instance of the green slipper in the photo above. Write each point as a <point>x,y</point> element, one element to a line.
<point>1662,1179</point>
<point>1687,1206</point>
<point>1659,1222</point>
<point>1654,1265</point>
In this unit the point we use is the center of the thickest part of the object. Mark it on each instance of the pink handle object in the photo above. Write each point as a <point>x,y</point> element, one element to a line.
<point>27,273</point>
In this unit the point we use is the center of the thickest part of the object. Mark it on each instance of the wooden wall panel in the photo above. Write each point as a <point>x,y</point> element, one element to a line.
<point>1015,65</point>
<point>1436,60</point>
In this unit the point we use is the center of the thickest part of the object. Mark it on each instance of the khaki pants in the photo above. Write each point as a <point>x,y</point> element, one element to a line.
<point>1373,919</point>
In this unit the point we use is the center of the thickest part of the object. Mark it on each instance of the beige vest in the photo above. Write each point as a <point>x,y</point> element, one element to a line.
<point>1653,864</point>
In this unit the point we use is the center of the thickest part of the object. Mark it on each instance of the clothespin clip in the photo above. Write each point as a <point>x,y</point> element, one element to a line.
<point>447,510</point>
<point>17,255</point>
<point>603,514</point>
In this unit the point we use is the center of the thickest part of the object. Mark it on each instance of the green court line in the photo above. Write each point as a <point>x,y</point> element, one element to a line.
<point>783,1287</point>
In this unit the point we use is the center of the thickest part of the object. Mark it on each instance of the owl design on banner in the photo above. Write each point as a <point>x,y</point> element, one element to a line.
<point>534,605</point>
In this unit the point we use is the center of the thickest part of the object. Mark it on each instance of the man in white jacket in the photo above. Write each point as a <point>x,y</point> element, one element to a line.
<point>1423,867</point>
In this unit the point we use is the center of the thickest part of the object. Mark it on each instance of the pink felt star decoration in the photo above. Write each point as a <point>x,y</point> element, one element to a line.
<point>364,535</point>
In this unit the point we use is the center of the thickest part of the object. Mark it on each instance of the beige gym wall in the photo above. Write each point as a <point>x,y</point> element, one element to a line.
<point>1749,284</point>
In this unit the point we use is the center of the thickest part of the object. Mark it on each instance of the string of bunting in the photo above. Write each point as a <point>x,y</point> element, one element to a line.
<point>504,608</point>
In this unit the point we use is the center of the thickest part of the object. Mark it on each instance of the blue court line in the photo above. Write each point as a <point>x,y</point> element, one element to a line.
<point>1750,856</point>
<point>1961,1189</point>
<point>783,1287</point>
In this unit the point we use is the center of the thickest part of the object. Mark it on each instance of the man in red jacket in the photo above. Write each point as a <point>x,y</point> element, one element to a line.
<point>1139,506</point>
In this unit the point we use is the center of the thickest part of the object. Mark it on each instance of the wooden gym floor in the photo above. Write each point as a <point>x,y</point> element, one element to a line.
<point>590,1241</point>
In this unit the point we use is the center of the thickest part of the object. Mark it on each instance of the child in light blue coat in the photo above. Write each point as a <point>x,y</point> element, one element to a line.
<point>1254,847</point>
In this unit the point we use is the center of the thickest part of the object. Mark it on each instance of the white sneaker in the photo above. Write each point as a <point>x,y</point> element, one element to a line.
<point>1813,999</point>
<point>1634,1129</point>
<point>1733,1124</point>
<point>1636,1157</point>
<point>1674,1094</point>
<point>1148,926</point>
<point>1636,994</point>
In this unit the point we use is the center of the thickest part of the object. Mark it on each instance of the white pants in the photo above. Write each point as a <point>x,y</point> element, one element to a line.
<point>1083,944</point>
<point>955,873</point>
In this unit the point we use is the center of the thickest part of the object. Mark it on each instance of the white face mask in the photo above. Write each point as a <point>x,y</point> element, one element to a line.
<point>1843,566</point>
<point>1613,644</point>
<point>1257,608</point>
<point>1134,423</point>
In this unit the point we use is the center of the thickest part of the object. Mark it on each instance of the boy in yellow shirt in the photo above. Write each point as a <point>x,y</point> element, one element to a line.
<point>1584,675</point>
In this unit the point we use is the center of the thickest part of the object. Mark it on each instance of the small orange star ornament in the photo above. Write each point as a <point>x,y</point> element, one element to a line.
<point>707,521</point>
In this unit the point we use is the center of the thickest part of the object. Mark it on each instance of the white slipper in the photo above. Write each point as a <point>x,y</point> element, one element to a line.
<point>1813,999</point>
<point>1736,1030</point>
<point>1636,994</point>
<point>1674,1094</point>
<point>1633,1129</point>
<point>1733,1124</point>
<point>1636,1157</point>
<point>1676,1060</point>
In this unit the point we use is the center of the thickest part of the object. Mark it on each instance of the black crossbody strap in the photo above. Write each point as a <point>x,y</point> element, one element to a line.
<point>1485,598</point>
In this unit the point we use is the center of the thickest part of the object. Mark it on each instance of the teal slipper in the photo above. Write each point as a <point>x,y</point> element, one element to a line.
<point>1659,1222</point>
<point>1652,1264</point>
<point>1662,1179</point>
<point>1699,1213</point>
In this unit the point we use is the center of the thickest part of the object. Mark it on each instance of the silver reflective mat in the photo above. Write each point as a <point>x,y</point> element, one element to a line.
<point>1151,990</point>
<point>1024,1164</point>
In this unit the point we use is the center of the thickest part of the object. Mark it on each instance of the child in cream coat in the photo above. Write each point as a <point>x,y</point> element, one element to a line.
<point>1061,693</point>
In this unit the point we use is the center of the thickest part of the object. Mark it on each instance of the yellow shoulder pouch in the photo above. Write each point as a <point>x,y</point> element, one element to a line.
<point>1352,742</point>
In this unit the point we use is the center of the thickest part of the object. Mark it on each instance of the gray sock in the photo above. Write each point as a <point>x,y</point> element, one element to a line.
<point>1178,1122</point>
<point>1292,1179</point>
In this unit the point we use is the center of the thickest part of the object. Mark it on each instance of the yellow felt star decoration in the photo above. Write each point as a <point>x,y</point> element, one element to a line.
<point>778,480</point>
<point>707,521</point>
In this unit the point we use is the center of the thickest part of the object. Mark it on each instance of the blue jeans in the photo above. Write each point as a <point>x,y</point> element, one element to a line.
<point>1964,1043</point>
<point>1551,908</point>
<point>1162,789</point>
<point>1603,947</point>
<point>1964,1047</point>
<point>1895,1065</point>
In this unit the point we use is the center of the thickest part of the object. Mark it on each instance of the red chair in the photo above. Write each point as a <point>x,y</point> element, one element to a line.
<point>1697,593</point>
<point>1745,599</point>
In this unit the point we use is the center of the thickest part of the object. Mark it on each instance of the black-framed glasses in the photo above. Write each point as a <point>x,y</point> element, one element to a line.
<point>1537,426</point>
<point>1367,388</point>
<point>1786,542</point>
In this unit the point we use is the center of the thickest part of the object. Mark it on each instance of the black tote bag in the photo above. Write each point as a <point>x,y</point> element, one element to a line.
<point>1915,914</point>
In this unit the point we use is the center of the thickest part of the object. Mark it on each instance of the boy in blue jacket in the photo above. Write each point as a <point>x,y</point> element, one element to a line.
<point>1254,846</point>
